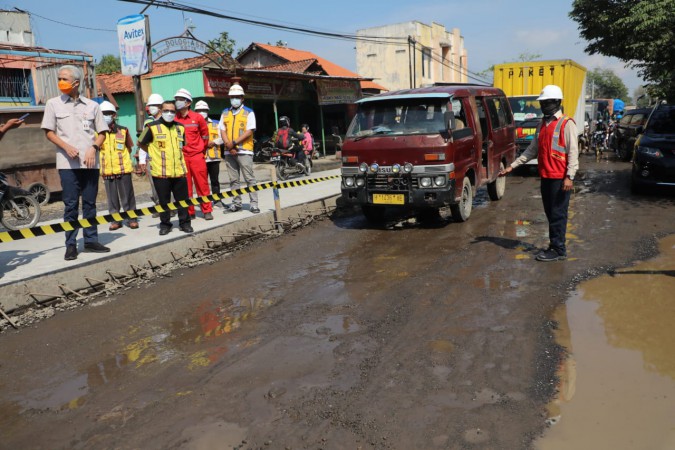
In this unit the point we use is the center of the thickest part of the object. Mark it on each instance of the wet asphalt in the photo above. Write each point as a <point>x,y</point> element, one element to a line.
<point>340,335</point>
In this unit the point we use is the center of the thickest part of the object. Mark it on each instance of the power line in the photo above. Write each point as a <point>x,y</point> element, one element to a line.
<point>341,36</point>
<point>64,23</point>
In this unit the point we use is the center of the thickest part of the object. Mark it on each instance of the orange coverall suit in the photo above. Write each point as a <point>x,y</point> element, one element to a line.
<point>194,151</point>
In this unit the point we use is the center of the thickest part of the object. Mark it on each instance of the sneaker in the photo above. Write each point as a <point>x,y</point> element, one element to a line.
<point>163,231</point>
<point>550,255</point>
<point>255,209</point>
<point>208,216</point>
<point>71,253</point>
<point>186,228</point>
<point>233,208</point>
<point>115,226</point>
<point>95,247</point>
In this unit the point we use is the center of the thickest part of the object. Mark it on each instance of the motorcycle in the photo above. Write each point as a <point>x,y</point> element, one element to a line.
<point>285,164</point>
<point>584,139</point>
<point>262,151</point>
<point>599,139</point>
<point>18,208</point>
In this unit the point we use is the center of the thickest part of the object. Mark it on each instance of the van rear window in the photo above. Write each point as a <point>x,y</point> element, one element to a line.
<point>662,120</point>
<point>400,116</point>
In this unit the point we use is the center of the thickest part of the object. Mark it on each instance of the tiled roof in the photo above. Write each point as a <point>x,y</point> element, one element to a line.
<point>292,66</point>
<point>293,55</point>
<point>122,84</point>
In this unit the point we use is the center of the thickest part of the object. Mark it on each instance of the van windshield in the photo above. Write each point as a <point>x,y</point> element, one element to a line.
<point>399,116</point>
<point>525,107</point>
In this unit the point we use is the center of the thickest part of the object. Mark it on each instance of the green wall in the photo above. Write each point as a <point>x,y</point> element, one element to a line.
<point>167,85</point>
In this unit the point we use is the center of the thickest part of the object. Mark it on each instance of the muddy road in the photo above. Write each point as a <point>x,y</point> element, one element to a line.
<point>339,336</point>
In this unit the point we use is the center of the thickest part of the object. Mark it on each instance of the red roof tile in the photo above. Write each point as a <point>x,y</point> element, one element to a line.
<point>121,84</point>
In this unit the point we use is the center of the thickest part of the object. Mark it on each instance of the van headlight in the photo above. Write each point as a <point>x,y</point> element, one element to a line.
<point>439,180</point>
<point>396,168</point>
<point>425,182</point>
<point>408,168</point>
<point>360,181</point>
<point>349,181</point>
<point>363,168</point>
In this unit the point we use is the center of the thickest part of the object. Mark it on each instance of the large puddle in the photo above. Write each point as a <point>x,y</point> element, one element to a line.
<point>617,386</point>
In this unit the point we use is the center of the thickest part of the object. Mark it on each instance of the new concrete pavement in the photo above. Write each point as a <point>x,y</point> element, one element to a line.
<point>34,269</point>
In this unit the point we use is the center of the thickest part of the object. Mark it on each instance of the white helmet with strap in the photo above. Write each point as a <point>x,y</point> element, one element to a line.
<point>201,104</point>
<point>551,92</point>
<point>106,106</point>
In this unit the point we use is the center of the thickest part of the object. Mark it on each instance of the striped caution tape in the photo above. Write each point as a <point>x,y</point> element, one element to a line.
<point>26,233</point>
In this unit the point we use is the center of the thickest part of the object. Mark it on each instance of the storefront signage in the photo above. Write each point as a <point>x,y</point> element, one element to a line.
<point>219,85</point>
<point>133,35</point>
<point>338,92</point>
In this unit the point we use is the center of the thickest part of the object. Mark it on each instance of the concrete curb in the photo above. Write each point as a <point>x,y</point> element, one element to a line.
<point>65,279</point>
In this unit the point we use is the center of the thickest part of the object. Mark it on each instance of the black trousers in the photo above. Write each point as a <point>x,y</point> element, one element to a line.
<point>179,188</point>
<point>213,168</point>
<point>556,203</point>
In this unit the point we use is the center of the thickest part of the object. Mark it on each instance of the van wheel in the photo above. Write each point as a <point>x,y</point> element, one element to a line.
<point>462,210</point>
<point>497,188</point>
<point>374,214</point>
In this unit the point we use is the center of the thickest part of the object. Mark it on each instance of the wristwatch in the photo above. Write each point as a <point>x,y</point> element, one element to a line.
<point>570,177</point>
<point>96,147</point>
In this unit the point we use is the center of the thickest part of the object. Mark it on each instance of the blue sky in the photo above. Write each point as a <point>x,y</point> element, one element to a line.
<point>494,31</point>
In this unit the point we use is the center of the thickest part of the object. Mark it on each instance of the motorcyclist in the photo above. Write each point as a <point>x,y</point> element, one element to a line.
<point>283,141</point>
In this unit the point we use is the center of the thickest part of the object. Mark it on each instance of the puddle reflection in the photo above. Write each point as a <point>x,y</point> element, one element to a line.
<point>618,385</point>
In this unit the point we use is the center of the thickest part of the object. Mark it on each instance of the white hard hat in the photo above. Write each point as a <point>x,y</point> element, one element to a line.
<point>106,106</point>
<point>154,99</point>
<point>236,89</point>
<point>201,104</point>
<point>183,93</point>
<point>551,92</point>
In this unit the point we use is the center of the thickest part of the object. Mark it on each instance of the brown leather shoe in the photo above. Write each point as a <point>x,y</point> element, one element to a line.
<point>115,226</point>
<point>133,224</point>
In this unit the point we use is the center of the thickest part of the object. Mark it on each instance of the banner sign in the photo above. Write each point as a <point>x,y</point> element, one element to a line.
<point>216,85</point>
<point>338,92</point>
<point>133,35</point>
<point>178,44</point>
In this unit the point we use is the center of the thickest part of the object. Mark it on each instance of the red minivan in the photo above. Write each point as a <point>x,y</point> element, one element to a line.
<point>418,150</point>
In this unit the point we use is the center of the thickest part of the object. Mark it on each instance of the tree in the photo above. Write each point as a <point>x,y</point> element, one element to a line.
<point>223,44</point>
<point>641,97</point>
<point>108,64</point>
<point>604,83</point>
<point>638,32</point>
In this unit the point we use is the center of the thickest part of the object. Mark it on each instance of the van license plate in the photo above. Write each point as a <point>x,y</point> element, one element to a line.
<point>388,199</point>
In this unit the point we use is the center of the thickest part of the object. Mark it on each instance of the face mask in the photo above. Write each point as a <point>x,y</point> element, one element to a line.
<point>235,102</point>
<point>65,87</point>
<point>168,116</point>
<point>180,104</point>
<point>549,108</point>
<point>204,115</point>
<point>108,119</point>
<point>153,110</point>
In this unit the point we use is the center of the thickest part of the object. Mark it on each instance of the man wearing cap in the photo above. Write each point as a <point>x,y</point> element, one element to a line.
<point>237,125</point>
<point>213,148</point>
<point>116,167</point>
<point>194,150</point>
<point>75,125</point>
<point>556,148</point>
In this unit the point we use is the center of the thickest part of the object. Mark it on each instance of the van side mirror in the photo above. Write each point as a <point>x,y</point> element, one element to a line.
<point>449,118</point>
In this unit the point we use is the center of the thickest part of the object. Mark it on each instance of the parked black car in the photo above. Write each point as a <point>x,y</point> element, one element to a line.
<point>626,132</point>
<point>654,155</point>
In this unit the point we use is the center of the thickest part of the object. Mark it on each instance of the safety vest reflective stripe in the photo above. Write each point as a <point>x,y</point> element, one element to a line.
<point>213,153</point>
<point>555,141</point>
<point>236,126</point>
<point>114,156</point>
<point>165,152</point>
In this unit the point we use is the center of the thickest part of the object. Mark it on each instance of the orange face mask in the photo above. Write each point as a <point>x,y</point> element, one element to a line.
<point>65,87</point>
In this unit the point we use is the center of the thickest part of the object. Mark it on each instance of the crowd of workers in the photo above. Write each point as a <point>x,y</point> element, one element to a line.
<point>178,147</point>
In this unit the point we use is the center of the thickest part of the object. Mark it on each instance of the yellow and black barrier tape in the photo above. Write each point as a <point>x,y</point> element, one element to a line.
<point>43,230</point>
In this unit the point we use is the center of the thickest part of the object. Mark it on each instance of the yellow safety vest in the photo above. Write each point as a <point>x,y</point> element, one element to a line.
<point>165,152</point>
<point>235,126</point>
<point>114,157</point>
<point>213,153</point>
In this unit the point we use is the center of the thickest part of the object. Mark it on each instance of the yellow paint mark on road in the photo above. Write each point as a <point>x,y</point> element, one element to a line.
<point>522,256</point>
